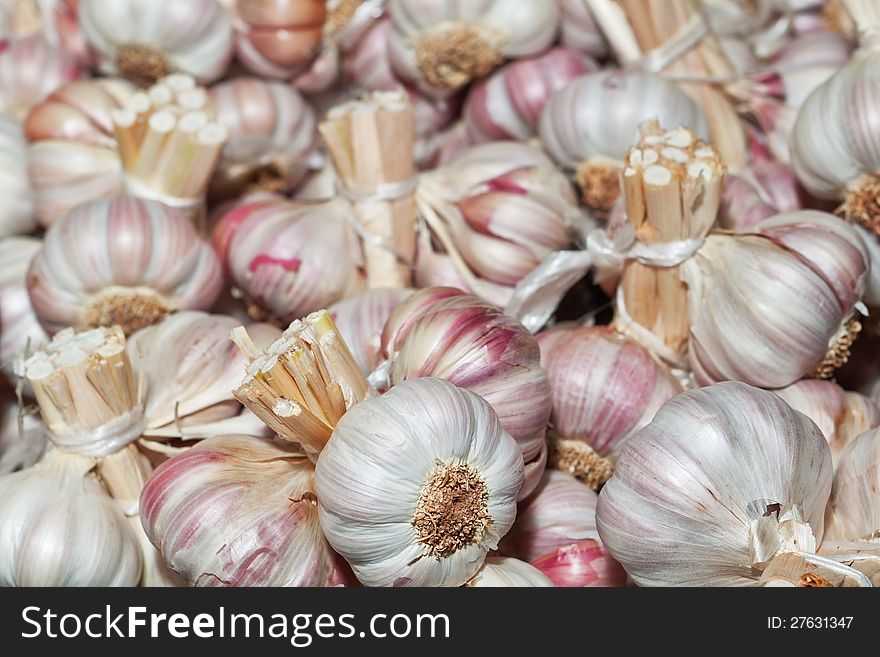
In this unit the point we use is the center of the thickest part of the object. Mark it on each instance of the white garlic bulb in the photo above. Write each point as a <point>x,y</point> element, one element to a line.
<point>16,199</point>
<point>59,497</point>
<point>19,327</point>
<point>441,46</point>
<point>143,40</point>
<point>122,261</point>
<point>854,509</point>
<point>589,125</point>
<point>22,436</point>
<point>507,571</point>
<point>240,511</point>
<point>416,486</point>
<point>31,69</point>
<point>722,482</point>
<point>578,29</point>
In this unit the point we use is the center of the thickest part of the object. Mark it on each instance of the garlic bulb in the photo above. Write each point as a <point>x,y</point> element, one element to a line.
<point>144,40</point>
<point>723,482</point>
<point>443,45</point>
<point>841,415</point>
<point>506,571</point>
<point>361,319</point>
<point>579,29</point>
<point>272,134</point>
<point>73,154</point>
<point>581,564</point>
<point>854,509</point>
<point>416,486</point>
<point>508,103</point>
<point>30,70</point>
<point>446,333</point>
<point>19,327</point>
<point>278,39</point>
<point>497,210</point>
<point>290,259</point>
<point>122,261</point>
<point>240,511</point>
<point>762,190</point>
<point>16,200</point>
<point>589,125</point>
<point>604,388</point>
<point>60,497</point>
<point>22,436</point>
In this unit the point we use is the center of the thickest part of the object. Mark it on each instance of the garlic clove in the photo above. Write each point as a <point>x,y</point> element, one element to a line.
<point>854,510</point>
<point>506,571</point>
<point>581,564</point>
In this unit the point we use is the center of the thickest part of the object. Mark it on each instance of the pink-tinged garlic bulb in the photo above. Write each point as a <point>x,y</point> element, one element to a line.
<point>447,333</point>
<point>589,125</point>
<point>579,29</point>
<point>73,154</point>
<point>854,510</point>
<point>20,330</point>
<point>144,40</point>
<point>579,565</point>
<point>416,486</point>
<point>361,320</point>
<point>16,199</point>
<point>278,38</point>
<point>122,261</point>
<point>189,368</point>
<point>725,487</point>
<point>496,210</point>
<point>507,572</point>
<point>58,527</point>
<point>272,133</point>
<point>508,103</point>
<point>290,259</point>
<point>840,414</point>
<point>605,387</point>
<point>30,70</point>
<point>440,148</point>
<point>764,189</point>
<point>240,511</point>
<point>442,46</point>
<point>22,435</point>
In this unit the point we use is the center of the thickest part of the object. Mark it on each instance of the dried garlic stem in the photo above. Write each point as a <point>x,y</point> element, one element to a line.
<point>580,460</point>
<point>862,203</point>
<point>304,382</point>
<point>371,144</point>
<point>141,64</point>
<point>599,182</point>
<point>128,308</point>
<point>672,186</point>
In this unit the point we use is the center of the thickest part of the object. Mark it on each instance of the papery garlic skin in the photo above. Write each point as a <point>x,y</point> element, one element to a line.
<point>124,261</point>
<point>605,386</point>
<point>764,189</point>
<point>446,333</point>
<point>19,327</point>
<point>16,198</point>
<point>872,246</point>
<point>23,436</point>
<point>59,498</point>
<point>578,29</point>
<point>429,39</point>
<point>239,511</point>
<point>854,509</point>
<point>384,475</point>
<point>73,154</point>
<point>507,572</point>
<point>30,70</point>
<point>361,320</point>
<point>840,414</point>
<point>272,134</point>
<point>290,259</point>
<point>693,495</point>
<point>582,564</point>
<point>508,103</point>
<point>192,37</point>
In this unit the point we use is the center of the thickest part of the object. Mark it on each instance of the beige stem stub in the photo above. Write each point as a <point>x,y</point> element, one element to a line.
<point>599,183</point>
<point>142,64</point>
<point>131,309</point>
<point>451,55</point>
<point>862,203</point>
<point>840,349</point>
<point>580,460</point>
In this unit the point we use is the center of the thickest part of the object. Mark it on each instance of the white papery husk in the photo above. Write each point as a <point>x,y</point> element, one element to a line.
<point>16,200</point>
<point>383,452</point>
<point>722,481</point>
<point>854,509</point>
<point>506,572</point>
<point>23,436</point>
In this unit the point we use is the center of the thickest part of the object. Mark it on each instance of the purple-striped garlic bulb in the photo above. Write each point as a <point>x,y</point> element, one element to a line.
<point>496,210</point>
<point>580,565</point>
<point>507,572</point>
<point>288,258</point>
<point>20,330</point>
<point>144,40</point>
<point>589,125</point>
<point>441,45</point>
<point>508,103</point>
<point>22,435</point>
<point>841,415</point>
<point>447,333</point>
<point>272,134</point>
<point>361,319</point>
<point>16,199</point>
<point>239,510</point>
<point>121,261</point>
<point>578,29</point>
<point>73,154</point>
<point>727,486</point>
<point>761,190</point>
<point>278,38</point>
<point>604,387</point>
<point>30,70</point>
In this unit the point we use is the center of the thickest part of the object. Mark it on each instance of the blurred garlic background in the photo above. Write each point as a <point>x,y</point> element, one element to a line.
<point>30,69</point>
<point>19,327</point>
<point>16,206</point>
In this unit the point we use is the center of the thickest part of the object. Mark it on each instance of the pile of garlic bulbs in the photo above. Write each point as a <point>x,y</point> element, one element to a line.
<point>493,293</point>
